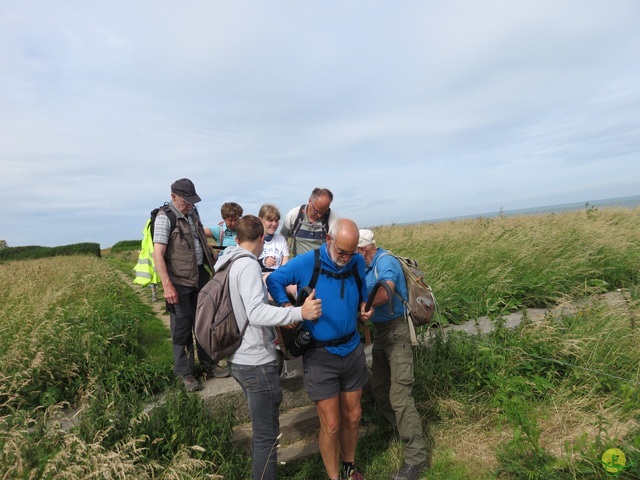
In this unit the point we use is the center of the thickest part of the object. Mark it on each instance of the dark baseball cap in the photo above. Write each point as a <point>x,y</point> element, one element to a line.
<point>185,188</point>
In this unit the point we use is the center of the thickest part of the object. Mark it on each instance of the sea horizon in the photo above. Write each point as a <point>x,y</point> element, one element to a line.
<point>624,202</point>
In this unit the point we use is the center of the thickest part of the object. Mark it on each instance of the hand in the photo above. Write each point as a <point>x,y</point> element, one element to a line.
<point>170,294</point>
<point>269,262</point>
<point>364,315</point>
<point>312,307</point>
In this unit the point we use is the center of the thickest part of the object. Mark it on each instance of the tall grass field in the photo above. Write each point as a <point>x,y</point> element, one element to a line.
<point>82,355</point>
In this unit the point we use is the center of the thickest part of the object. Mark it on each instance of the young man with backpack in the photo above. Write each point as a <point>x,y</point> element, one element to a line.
<point>254,364</point>
<point>180,255</point>
<point>306,226</point>
<point>392,355</point>
<point>335,368</point>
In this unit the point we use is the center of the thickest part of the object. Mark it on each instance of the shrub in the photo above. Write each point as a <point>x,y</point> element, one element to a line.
<point>125,246</point>
<point>35,252</point>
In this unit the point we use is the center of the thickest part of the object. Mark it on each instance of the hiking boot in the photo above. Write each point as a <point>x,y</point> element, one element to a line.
<point>216,371</point>
<point>409,472</point>
<point>191,384</point>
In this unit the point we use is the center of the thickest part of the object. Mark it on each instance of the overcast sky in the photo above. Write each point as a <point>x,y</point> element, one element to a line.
<point>407,111</point>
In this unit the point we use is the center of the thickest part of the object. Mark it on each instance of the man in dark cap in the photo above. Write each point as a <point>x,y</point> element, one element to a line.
<point>180,254</point>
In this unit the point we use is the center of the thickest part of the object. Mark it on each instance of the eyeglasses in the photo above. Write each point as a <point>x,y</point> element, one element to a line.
<point>341,252</point>
<point>315,211</point>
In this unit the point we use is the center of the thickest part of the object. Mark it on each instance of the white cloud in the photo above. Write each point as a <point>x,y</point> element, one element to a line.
<point>407,112</point>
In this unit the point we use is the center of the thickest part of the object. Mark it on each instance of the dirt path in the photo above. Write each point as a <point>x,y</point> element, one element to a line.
<point>144,293</point>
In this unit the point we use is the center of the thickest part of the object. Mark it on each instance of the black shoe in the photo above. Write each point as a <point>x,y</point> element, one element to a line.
<point>216,371</point>
<point>410,472</point>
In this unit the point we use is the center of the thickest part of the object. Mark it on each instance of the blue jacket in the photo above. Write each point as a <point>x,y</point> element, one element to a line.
<point>340,297</point>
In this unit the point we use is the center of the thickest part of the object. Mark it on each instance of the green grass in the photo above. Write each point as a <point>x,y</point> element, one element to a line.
<point>495,266</point>
<point>153,336</point>
<point>543,401</point>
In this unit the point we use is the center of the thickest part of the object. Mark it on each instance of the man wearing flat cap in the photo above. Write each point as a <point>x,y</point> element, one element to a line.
<point>392,356</point>
<point>180,254</point>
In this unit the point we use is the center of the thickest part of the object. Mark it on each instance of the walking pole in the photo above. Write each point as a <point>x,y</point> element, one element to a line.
<point>367,307</point>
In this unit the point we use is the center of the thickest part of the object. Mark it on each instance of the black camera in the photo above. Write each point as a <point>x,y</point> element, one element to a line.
<point>300,343</point>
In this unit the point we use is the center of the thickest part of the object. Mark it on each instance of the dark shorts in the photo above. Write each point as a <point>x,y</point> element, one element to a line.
<point>327,374</point>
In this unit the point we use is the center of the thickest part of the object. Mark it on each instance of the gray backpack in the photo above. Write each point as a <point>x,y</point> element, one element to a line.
<point>216,327</point>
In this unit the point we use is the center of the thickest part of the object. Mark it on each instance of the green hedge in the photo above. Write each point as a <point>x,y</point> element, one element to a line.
<point>35,251</point>
<point>125,246</point>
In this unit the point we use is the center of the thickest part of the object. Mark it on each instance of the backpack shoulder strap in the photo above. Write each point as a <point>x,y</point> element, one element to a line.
<point>171,214</point>
<point>221,233</point>
<point>375,265</point>
<point>227,268</point>
<point>294,230</point>
<point>354,270</point>
<point>325,220</point>
<point>228,265</point>
<point>194,210</point>
<point>316,269</point>
<point>298,220</point>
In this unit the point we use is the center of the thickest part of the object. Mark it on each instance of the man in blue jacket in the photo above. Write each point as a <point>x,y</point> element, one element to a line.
<point>335,367</point>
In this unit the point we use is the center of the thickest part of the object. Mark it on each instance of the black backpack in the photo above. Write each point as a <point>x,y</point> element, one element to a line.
<point>172,219</point>
<point>170,214</point>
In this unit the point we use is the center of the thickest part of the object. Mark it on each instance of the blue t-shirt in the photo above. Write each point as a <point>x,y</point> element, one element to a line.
<point>340,296</point>
<point>228,236</point>
<point>384,267</point>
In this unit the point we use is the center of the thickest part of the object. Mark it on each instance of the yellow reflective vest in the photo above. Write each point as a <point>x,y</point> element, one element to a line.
<point>145,269</point>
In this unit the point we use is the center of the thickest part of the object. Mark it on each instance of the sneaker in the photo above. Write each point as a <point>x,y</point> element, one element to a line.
<point>216,371</point>
<point>191,384</point>
<point>409,472</point>
<point>354,475</point>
